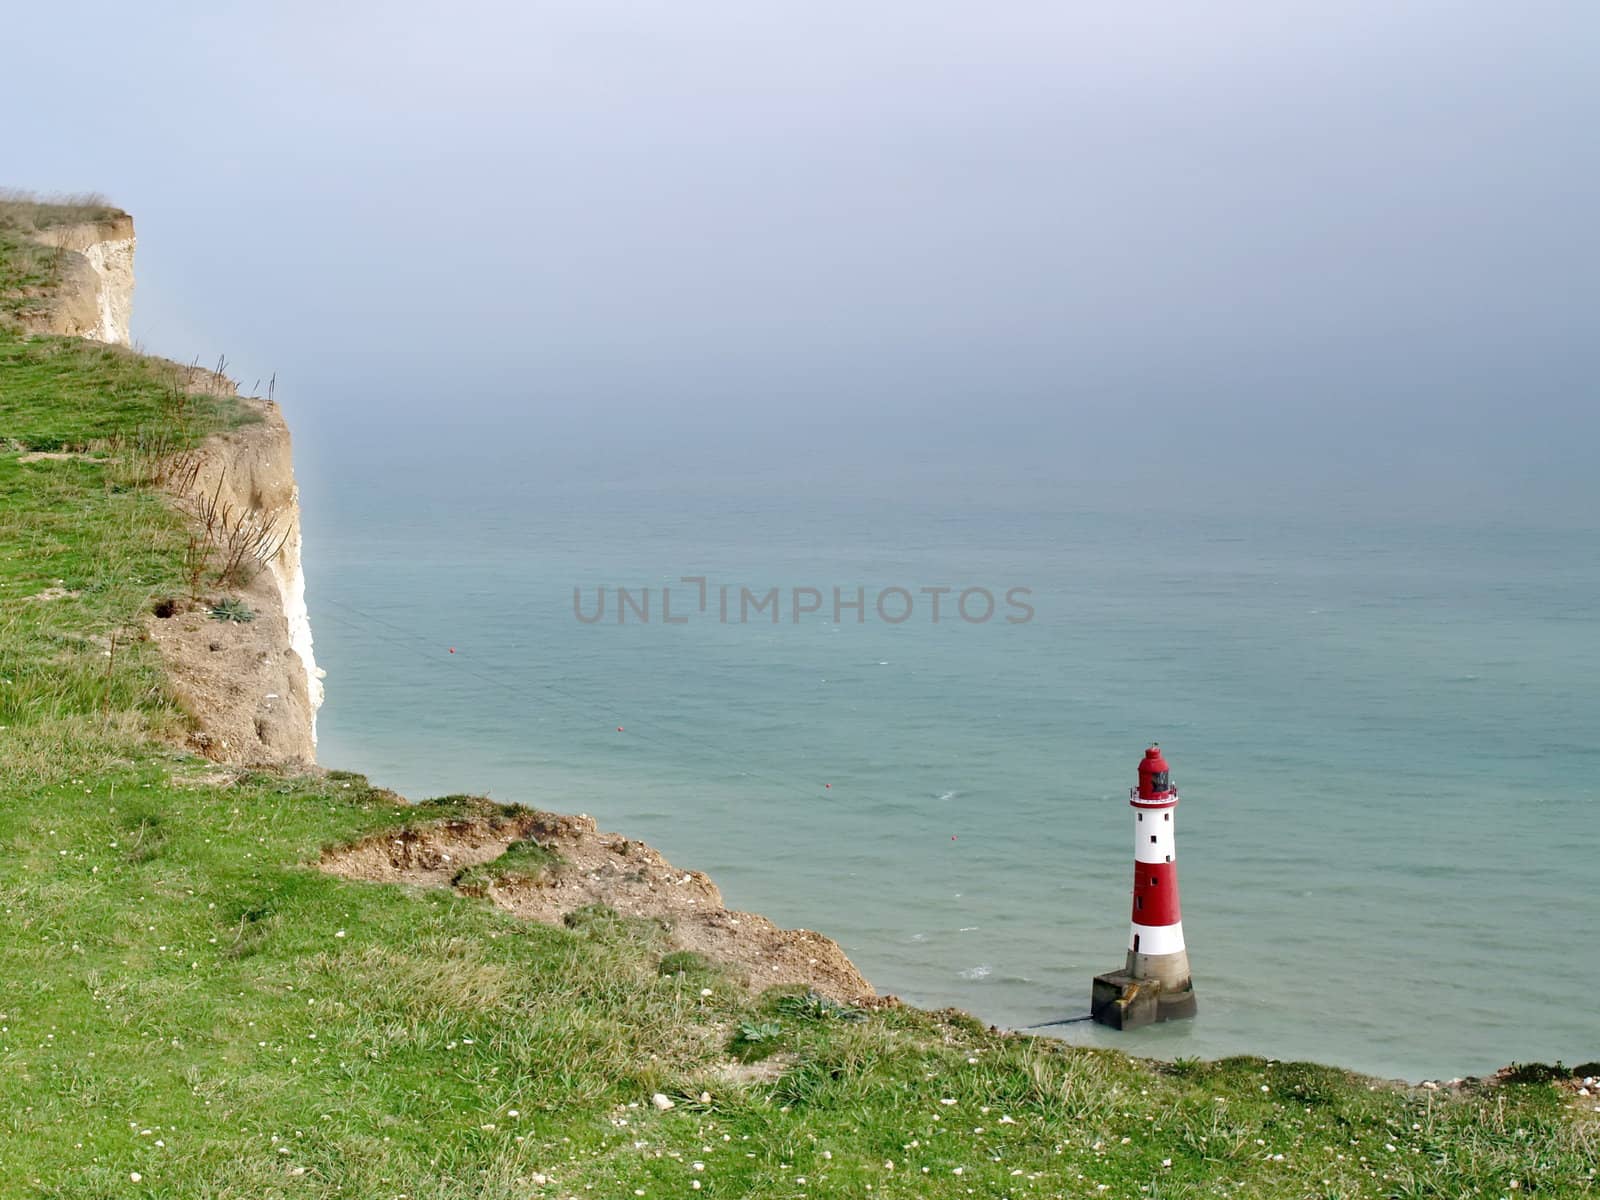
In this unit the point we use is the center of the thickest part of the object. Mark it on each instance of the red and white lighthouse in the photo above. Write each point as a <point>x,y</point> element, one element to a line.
<point>1154,984</point>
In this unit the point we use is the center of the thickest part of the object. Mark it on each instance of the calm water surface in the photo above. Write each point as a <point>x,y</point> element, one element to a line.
<point>1382,725</point>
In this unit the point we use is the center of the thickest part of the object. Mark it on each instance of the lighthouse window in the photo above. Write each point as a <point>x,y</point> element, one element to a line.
<point>1152,881</point>
<point>1138,901</point>
<point>1152,837</point>
<point>1166,816</point>
<point>1160,781</point>
<point>1141,818</point>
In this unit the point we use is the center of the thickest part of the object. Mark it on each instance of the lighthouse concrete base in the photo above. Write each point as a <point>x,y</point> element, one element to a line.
<point>1123,1002</point>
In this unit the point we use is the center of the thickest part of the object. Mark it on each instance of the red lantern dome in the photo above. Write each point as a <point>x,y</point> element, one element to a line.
<point>1155,780</point>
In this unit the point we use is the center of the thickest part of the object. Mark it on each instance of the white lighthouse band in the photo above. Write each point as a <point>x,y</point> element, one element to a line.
<point>1148,940</point>
<point>1154,833</point>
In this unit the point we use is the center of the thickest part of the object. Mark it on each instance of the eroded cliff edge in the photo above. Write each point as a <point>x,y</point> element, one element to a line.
<point>552,868</point>
<point>92,292</point>
<point>252,688</point>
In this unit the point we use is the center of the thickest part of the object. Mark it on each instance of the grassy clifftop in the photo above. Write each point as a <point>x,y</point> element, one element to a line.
<point>189,1007</point>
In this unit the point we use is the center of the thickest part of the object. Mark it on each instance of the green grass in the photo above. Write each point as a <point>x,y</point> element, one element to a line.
<point>62,394</point>
<point>184,997</point>
<point>523,862</point>
<point>28,272</point>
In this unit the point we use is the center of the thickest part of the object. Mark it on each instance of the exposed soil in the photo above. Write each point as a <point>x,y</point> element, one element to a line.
<point>604,868</point>
<point>239,682</point>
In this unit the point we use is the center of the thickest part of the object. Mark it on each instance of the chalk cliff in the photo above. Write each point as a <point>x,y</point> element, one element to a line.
<point>94,295</point>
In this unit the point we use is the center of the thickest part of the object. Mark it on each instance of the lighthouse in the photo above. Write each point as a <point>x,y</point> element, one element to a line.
<point>1154,985</point>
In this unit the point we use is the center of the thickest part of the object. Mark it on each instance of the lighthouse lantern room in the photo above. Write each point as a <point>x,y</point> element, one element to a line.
<point>1154,984</point>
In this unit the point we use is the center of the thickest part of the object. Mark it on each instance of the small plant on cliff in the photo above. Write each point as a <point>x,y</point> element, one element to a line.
<point>231,608</point>
<point>196,554</point>
<point>243,541</point>
<point>249,543</point>
<point>812,1007</point>
<point>753,1033</point>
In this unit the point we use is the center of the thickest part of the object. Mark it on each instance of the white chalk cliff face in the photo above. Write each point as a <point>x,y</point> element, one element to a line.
<point>290,577</point>
<point>95,297</point>
<point>112,262</point>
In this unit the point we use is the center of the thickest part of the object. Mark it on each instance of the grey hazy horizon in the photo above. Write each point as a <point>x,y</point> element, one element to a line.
<point>1341,248</point>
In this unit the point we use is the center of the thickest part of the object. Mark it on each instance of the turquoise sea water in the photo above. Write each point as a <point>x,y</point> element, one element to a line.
<point>1382,723</point>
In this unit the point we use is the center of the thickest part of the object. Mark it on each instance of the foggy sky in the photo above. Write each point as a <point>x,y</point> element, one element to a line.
<point>1340,238</point>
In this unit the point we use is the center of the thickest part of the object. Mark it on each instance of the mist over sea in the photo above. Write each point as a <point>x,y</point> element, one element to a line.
<point>1379,712</point>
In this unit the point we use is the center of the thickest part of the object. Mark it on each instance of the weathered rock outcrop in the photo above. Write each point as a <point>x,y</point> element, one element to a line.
<point>94,295</point>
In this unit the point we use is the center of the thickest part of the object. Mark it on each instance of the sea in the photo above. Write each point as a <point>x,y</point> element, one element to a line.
<point>1381,718</point>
